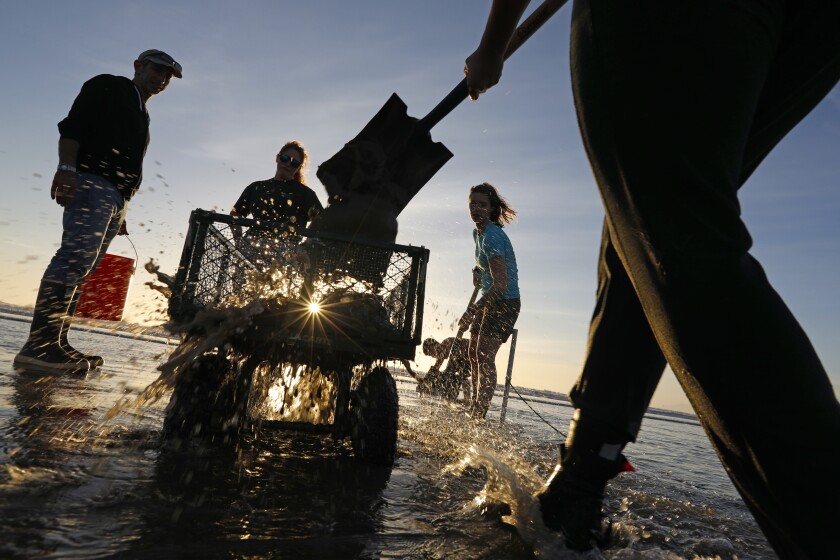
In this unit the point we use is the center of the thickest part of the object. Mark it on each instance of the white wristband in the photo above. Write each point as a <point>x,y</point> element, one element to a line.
<point>66,167</point>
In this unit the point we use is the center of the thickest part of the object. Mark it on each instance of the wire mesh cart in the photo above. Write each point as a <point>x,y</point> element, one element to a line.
<point>323,315</point>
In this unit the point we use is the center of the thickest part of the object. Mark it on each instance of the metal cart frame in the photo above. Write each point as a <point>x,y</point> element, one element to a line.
<point>370,297</point>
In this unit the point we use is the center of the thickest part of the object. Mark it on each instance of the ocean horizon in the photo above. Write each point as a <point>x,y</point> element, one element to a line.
<point>158,333</point>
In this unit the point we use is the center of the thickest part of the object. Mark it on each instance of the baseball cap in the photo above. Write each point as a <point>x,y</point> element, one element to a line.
<point>160,57</point>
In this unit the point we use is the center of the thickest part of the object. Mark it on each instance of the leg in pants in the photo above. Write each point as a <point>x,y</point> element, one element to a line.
<point>671,141</point>
<point>90,223</point>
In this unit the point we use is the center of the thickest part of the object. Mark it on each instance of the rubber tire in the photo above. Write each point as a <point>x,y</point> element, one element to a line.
<point>202,406</point>
<point>374,410</point>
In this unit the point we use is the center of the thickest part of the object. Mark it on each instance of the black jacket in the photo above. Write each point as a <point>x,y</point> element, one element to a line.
<point>111,125</point>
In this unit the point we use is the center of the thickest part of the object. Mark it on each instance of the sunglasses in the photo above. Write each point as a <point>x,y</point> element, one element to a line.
<point>286,158</point>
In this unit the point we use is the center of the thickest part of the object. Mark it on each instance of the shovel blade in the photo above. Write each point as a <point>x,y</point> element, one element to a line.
<point>389,161</point>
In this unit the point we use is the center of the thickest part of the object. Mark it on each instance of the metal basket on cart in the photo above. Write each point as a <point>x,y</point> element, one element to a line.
<point>371,295</point>
<point>370,308</point>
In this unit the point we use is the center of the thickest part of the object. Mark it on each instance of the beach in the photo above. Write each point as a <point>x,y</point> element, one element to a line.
<point>73,484</point>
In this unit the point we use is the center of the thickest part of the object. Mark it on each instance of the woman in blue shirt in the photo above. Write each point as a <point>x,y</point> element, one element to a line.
<point>492,317</point>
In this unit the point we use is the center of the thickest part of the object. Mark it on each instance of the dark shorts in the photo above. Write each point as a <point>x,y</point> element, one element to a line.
<point>497,321</point>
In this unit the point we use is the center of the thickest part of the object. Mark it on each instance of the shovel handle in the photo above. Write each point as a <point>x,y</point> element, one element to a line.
<point>461,330</point>
<point>527,28</point>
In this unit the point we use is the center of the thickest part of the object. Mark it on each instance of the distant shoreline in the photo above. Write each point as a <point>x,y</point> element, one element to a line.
<point>114,328</point>
<point>161,336</point>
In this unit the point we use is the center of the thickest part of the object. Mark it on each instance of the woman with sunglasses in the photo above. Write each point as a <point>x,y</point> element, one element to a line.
<point>284,199</point>
<point>492,317</point>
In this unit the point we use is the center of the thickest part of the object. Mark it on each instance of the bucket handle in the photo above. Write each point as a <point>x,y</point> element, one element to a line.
<point>136,256</point>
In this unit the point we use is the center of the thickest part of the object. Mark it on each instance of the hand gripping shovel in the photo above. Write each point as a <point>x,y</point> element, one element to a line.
<point>374,176</point>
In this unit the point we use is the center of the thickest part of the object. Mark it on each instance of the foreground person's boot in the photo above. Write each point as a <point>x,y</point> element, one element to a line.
<point>42,349</point>
<point>571,499</point>
<point>93,360</point>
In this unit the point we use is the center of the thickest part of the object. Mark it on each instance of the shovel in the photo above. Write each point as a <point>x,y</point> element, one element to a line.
<point>374,176</point>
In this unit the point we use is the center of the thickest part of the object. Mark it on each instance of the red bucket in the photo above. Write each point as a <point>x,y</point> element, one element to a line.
<point>104,292</point>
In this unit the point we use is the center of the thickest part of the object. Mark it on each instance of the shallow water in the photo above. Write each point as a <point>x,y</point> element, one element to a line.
<point>75,485</point>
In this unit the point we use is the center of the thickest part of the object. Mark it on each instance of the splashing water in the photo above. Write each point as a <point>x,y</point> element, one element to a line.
<point>293,393</point>
<point>216,326</point>
<point>68,491</point>
<point>509,494</point>
<point>281,391</point>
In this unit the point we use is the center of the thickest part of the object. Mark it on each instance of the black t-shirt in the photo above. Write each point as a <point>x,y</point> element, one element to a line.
<point>111,125</point>
<point>285,202</point>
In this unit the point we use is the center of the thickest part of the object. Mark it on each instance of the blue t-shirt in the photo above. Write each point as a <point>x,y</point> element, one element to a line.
<point>491,243</point>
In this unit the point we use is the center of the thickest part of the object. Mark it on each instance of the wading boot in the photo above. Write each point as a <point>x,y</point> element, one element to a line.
<point>571,499</point>
<point>93,360</point>
<point>479,410</point>
<point>42,349</point>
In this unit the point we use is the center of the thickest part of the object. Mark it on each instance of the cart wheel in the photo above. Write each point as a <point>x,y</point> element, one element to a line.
<point>374,410</point>
<point>209,401</point>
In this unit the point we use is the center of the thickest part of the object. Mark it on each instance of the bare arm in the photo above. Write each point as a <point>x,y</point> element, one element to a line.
<point>68,151</point>
<point>235,230</point>
<point>498,271</point>
<point>484,66</point>
<point>63,189</point>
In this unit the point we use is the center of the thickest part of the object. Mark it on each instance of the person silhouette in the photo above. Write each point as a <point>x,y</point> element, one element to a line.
<point>678,103</point>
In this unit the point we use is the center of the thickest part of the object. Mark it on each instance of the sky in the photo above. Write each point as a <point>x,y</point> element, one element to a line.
<point>258,73</point>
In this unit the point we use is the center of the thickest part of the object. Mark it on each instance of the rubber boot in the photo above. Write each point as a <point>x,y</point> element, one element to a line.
<point>479,409</point>
<point>571,498</point>
<point>95,361</point>
<point>484,391</point>
<point>42,349</point>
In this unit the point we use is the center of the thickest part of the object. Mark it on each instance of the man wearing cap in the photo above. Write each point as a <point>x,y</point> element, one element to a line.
<point>100,166</point>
